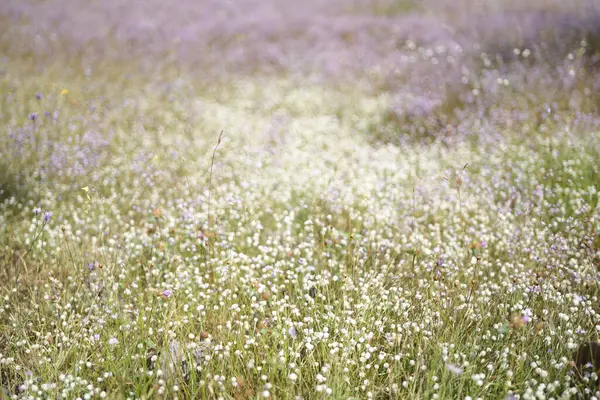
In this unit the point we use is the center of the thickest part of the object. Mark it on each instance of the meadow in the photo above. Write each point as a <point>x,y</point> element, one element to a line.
<point>327,199</point>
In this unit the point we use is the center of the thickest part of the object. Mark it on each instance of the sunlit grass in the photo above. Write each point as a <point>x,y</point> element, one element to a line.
<point>345,252</point>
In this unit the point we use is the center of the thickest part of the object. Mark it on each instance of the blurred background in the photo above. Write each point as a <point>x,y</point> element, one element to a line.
<point>516,63</point>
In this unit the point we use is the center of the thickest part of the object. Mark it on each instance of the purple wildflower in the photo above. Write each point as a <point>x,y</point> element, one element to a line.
<point>292,332</point>
<point>38,96</point>
<point>33,116</point>
<point>47,216</point>
<point>455,369</point>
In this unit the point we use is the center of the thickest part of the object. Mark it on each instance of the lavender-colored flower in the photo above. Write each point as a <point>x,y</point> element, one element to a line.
<point>455,369</point>
<point>113,341</point>
<point>38,96</point>
<point>292,332</point>
<point>33,116</point>
<point>37,211</point>
<point>166,293</point>
<point>91,266</point>
<point>47,216</point>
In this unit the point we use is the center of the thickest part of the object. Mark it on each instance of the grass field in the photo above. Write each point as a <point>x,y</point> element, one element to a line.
<point>340,199</point>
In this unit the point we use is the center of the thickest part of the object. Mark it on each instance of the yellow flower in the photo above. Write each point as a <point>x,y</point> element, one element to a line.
<point>64,91</point>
